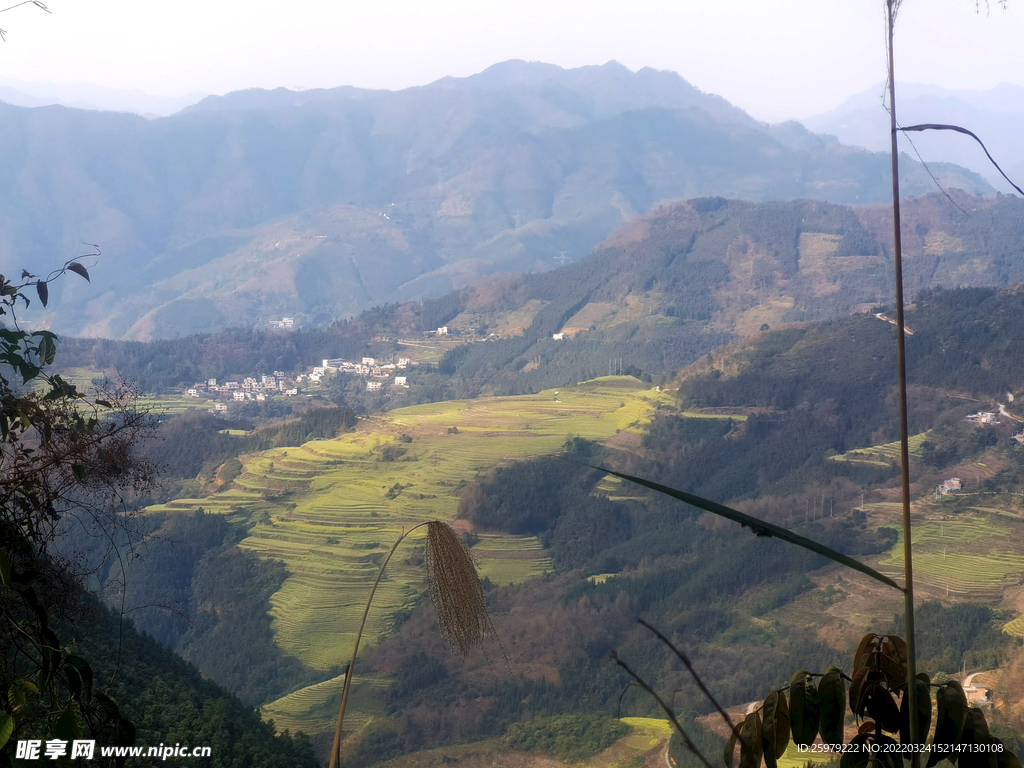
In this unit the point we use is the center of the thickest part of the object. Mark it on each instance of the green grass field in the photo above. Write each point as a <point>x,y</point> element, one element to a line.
<point>331,509</point>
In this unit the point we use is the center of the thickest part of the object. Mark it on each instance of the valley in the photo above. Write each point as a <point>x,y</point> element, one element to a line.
<point>330,509</point>
<point>297,344</point>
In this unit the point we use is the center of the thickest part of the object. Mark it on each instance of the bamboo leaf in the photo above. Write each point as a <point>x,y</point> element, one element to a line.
<point>759,527</point>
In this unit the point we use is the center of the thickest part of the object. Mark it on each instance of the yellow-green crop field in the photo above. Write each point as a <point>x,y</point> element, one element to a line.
<point>1015,627</point>
<point>883,455</point>
<point>970,555</point>
<point>331,509</point>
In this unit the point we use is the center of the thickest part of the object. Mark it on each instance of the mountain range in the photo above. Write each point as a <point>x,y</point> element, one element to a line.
<point>316,204</point>
<point>995,115</point>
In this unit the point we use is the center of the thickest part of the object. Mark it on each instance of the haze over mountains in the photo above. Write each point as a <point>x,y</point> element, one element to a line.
<point>317,204</point>
<point>995,115</point>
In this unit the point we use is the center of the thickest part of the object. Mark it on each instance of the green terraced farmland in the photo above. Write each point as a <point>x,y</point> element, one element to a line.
<point>967,555</point>
<point>883,455</point>
<point>331,510</point>
<point>1015,627</point>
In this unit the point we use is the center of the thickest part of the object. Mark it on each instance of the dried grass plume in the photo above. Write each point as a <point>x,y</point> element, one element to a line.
<point>455,588</point>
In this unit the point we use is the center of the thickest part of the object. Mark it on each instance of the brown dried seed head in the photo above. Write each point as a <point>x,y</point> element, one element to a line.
<point>455,588</point>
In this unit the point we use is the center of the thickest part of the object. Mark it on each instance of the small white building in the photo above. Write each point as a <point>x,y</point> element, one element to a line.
<point>403,362</point>
<point>231,385</point>
<point>239,395</point>
<point>369,361</point>
<point>220,407</point>
<point>211,382</point>
<point>558,336</point>
<point>442,331</point>
<point>192,392</point>
<point>292,391</point>
<point>400,381</point>
<point>261,398</point>
<point>951,485</point>
<point>373,386</point>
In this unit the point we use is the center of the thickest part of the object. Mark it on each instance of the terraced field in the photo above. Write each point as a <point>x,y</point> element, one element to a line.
<point>883,455</point>
<point>967,555</point>
<point>1015,627</point>
<point>331,510</point>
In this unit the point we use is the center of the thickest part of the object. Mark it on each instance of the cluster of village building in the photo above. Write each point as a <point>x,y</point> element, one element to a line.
<point>369,367</point>
<point>280,382</point>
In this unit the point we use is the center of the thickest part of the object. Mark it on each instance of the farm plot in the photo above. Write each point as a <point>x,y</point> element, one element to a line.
<point>1015,627</point>
<point>883,455</point>
<point>331,510</point>
<point>510,559</point>
<point>963,556</point>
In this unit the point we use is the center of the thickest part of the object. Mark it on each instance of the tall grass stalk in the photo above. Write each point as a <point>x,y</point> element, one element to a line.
<point>457,595</point>
<point>892,8</point>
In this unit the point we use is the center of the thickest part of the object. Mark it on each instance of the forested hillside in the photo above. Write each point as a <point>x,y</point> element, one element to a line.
<point>660,293</point>
<point>319,204</point>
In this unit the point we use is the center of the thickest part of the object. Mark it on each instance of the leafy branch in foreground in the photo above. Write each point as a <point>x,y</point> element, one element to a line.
<point>65,460</point>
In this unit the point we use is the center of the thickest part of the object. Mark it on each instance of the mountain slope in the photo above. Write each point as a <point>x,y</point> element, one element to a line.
<point>318,204</point>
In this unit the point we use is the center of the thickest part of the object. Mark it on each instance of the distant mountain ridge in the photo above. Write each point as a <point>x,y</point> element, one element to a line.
<point>995,115</point>
<point>318,204</point>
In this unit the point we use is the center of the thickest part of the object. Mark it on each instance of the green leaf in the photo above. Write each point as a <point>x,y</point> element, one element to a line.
<point>730,749</point>
<point>759,527</point>
<point>6,728</point>
<point>858,758</point>
<point>104,403</point>
<point>16,698</point>
<point>80,667</point>
<point>924,711</point>
<point>951,715</point>
<point>893,658</point>
<point>66,726</point>
<point>976,734</point>
<point>79,471</point>
<point>78,269</point>
<point>43,291</point>
<point>751,751</point>
<point>832,696</point>
<point>882,708</point>
<point>108,706</point>
<point>775,728</point>
<point>47,351</point>
<point>804,708</point>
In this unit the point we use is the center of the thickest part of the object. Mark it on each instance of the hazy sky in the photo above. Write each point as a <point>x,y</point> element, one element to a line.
<point>775,58</point>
